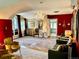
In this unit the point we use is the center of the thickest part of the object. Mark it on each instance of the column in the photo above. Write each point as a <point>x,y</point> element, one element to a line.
<point>77,26</point>
<point>25,32</point>
<point>19,25</point>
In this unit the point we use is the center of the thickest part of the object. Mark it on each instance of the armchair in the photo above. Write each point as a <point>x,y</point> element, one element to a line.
<point>2,49</point>
<point>60,54</point>
<point>9,47</point>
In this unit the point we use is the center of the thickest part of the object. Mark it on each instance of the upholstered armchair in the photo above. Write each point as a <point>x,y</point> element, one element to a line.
<point>10,46</point>
<point>62,53</point>
<point>2,49</point>
<point>8,42</point>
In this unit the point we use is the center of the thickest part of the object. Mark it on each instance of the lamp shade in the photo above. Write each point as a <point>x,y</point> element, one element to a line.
<point>68,33</point>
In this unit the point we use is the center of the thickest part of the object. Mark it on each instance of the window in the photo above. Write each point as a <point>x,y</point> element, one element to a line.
<point>31,24</point>
<point>53,26</point>
<point>15,25</point>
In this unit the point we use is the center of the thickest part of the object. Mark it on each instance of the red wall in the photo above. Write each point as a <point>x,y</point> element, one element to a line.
<point>5,29</point>
<point>63,19</point>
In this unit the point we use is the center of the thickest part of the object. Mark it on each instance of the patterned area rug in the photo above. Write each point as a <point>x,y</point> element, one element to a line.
<point>35,48</point>
<point>41,44</point>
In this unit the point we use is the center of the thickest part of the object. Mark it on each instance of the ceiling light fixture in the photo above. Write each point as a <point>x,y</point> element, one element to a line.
<point>41,2</point>
<point>56,11</point>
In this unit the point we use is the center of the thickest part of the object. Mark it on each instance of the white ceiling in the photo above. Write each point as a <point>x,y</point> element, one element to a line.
<point>9,8</point>
<point>49,4</point>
